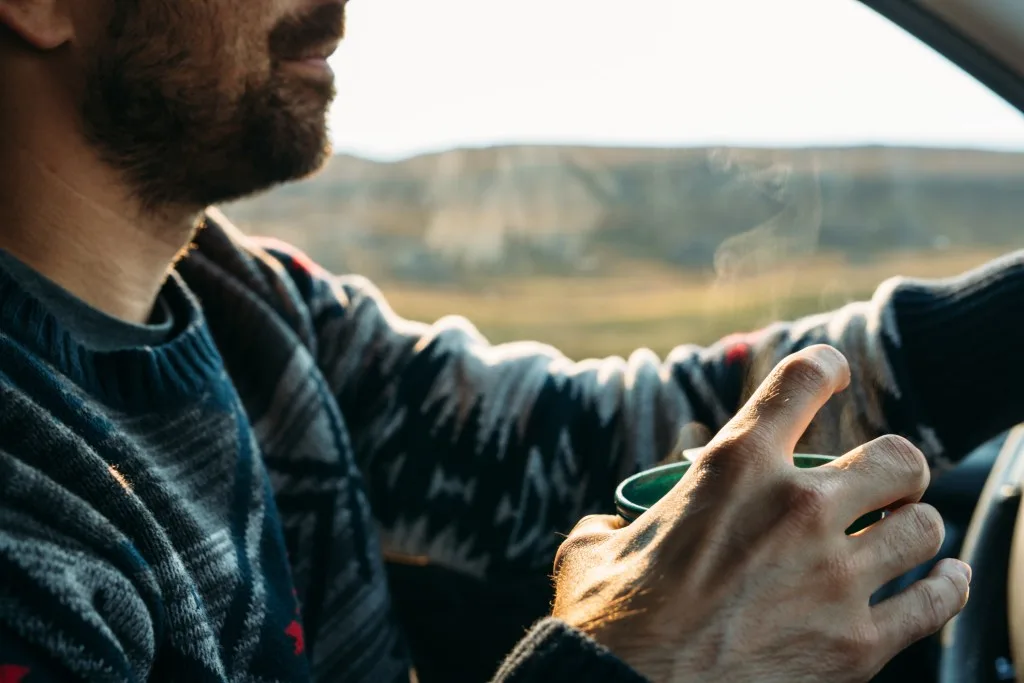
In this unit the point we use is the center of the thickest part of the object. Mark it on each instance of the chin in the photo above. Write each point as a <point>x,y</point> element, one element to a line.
<point>256,175</point>
<point>296,141</point>
<point>200,152</point>
<point>284,144</point>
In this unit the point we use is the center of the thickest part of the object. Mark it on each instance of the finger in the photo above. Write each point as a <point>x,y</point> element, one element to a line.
<point>903,540</point>
<point>586,531</point>
<point>924,608</point>
<point>882,474</point>
<point>782,408</point>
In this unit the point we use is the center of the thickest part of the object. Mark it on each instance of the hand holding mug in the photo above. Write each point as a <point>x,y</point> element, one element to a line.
<point>743,571</point>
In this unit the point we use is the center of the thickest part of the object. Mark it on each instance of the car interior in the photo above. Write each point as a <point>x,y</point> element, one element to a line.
<point>979,499</point>
<point>494,198</point>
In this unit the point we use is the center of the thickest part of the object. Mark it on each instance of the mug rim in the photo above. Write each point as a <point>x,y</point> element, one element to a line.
<point>629,510</point>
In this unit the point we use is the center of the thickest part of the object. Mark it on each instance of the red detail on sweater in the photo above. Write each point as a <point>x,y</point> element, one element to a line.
<point>737,353</point>
<point>294,631</point>
<point>303,262</point>
<point>297,258</point>
<point>739,346</point>
<point>11,673</point>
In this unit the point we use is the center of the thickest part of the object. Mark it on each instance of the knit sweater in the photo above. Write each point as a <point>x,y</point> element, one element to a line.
<point>215,507</point>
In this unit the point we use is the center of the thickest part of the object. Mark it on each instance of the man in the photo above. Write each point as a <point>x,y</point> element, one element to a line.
<point>202,458</point>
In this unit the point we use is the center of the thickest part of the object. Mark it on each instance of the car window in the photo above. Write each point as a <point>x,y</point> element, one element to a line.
<point>604,176</point>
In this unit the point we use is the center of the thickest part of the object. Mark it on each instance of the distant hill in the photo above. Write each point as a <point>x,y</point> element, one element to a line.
<point>567,210</point>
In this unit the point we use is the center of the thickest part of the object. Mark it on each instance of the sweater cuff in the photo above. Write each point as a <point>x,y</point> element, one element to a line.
<point>959,344</point>
<point>554,651</point>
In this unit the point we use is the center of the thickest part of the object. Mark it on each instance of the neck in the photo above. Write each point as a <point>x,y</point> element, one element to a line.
<point>69,217</point>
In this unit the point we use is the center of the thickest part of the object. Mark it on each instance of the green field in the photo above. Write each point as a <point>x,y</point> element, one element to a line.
<point>647,305</point>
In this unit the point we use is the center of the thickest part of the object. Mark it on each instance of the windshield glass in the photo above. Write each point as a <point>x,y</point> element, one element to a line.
<point>604,176</point>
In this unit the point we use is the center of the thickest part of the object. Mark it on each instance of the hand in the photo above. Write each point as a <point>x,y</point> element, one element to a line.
<point>743,571</point>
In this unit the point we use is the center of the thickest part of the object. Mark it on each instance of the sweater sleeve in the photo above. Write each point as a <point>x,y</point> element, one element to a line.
<point>70,606</point>
<point>552,651</point>
<point>477,454</point>
<point>63,611</point>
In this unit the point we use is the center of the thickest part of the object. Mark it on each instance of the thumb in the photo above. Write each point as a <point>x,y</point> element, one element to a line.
<point>597,524</point>
<point>588,530</point>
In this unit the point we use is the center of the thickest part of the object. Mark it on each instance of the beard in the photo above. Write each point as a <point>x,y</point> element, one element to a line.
<point>171,104</point>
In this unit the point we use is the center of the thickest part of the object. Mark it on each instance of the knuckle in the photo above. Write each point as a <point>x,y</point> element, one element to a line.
<point>900,553</point>
<point>735,439</point>
<point>936,607</point>
<point>755,432</point>
<point>914,534</point>
<point>805,500</point>
<point>908,460</point>
<point>729,456</point>
<point>929,528</point>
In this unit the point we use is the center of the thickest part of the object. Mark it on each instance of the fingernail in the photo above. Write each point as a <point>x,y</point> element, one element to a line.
<point>830,355</point>
<point>830,352</point>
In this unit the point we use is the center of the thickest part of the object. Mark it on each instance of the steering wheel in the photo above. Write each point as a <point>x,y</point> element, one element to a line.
<point>976,645</point>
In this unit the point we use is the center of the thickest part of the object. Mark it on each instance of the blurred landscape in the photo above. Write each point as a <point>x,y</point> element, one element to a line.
<point>603,250</point>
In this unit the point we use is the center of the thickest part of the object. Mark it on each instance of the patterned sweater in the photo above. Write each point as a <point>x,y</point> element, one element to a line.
<point>215,507</point>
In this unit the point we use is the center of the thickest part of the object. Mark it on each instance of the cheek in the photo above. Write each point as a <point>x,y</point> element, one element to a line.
<point>232,41</point>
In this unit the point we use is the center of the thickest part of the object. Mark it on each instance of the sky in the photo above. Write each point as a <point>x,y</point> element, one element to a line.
<point>415,76</point>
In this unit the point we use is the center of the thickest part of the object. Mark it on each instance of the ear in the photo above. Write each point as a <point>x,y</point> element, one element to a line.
<point>43,24</point>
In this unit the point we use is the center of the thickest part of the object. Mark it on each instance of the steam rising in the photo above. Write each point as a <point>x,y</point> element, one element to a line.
<point>791,233</point>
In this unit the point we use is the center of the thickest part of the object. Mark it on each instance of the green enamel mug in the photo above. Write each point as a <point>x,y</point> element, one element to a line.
<point>639,492</point>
